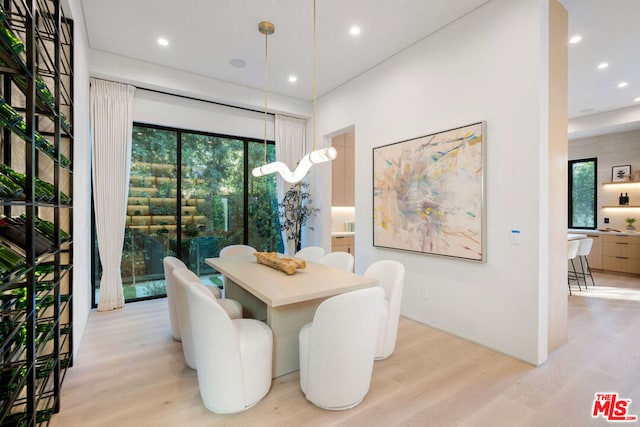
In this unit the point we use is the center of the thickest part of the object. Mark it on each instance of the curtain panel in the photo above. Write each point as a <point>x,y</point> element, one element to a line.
<point>111,128</point>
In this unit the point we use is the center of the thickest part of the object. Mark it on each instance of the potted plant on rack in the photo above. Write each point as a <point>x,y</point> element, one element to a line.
<point>630,222</point>
<point>295,211</point>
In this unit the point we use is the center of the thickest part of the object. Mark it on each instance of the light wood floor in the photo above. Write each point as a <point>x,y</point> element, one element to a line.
<point>129,372</point>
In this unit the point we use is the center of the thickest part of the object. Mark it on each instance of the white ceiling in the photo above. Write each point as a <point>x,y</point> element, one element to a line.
<point>205,35</point>
<point>610,33</point>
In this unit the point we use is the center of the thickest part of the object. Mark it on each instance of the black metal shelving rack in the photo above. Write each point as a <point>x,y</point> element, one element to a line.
<point>36,297</point>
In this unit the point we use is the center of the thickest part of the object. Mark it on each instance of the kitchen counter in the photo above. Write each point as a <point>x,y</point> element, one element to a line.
<point>342,233</point>
<point>602,232</point>
<point>343,241</point>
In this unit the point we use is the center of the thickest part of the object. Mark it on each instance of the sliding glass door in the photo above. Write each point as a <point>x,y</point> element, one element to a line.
<point>212,197</point>
<point>194,210</point>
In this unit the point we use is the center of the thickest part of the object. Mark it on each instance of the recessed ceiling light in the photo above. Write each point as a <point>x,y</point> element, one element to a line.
<point>354,31</point>
<point>637,99</point>
<point>237,63</point>
<point>623,84</point>
<point>163,42</point>
<point>603,65</point>
<point>575,39</point>
<point>293,79</point>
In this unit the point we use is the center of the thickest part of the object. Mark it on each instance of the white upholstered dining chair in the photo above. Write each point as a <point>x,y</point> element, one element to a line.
<point>390,275</point>
<point>171,263</point>
<point>342,260</point>
<point>233,355</point>
<point>337,349</point>
<point>310,253</point>
<point>185,279</point>
<point>237,250</point>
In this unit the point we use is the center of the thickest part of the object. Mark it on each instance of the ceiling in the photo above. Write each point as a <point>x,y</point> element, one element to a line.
<point>610,33</point>
<point>204,36</point>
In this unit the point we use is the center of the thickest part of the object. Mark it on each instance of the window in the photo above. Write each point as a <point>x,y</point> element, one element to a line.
<point>582,193</point>
<point>192,211</point>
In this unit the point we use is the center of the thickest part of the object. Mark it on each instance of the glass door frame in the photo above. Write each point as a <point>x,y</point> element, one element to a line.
<point>179,134</point>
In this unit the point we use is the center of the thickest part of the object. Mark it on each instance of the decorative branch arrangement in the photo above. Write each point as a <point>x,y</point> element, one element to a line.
<point>285,264</point>
<point>295,211</point>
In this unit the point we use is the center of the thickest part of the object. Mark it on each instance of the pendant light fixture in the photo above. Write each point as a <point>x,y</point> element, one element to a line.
<point>310,159</point>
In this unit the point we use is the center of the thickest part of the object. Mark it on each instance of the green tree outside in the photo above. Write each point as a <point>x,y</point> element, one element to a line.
<point>583,176</point>
<point>211,203</point>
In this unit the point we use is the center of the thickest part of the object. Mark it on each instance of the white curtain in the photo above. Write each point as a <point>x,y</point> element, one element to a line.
<point>111,128</point>
<point>290,148</point>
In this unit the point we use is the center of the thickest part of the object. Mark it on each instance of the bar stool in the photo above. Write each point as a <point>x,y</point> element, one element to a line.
<point>584,249</point>
<point>572,252</point>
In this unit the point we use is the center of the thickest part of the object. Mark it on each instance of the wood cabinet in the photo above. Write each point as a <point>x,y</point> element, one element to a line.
<point>343,244</point>
<point>621,253</point>
<point>595,256</point>
<point>343,170</point>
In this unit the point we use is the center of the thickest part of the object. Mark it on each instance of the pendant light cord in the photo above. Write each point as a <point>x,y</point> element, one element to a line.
<point>315,156</point>
<point>314,75</point>
<point>266,81</point>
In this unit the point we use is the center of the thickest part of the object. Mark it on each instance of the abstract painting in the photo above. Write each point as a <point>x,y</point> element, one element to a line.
<point>428,194</point>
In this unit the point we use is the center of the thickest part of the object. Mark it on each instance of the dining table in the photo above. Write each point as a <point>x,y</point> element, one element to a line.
<point>285,302</point>
<point>576,236</point>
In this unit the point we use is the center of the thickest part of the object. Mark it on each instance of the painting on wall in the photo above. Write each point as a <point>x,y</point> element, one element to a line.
<point>428,194</point>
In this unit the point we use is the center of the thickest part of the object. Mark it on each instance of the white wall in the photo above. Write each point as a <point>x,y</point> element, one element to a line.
<point>199,103</point>
<point>485,66</point>
<point>81,181</point>
<point>183,113</point>
<point>154,77</point>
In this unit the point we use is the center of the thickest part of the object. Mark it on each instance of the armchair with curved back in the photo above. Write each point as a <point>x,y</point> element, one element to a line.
<point>170,263</point>
<point>233,356</point>
<point>337,349</point>
<point>237,250</point>
<point>310,253</point>
<point>342,260</point>
<point>185,278</point>
<point>390,275</point>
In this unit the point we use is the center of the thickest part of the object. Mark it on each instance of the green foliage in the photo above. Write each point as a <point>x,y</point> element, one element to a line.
<point>216,280</point>
<point>129,292</point>
<point>212,174</point>
<point>155,288</point>
<point>264,227</point>
<point>263,212</point>
<point>583,176</point>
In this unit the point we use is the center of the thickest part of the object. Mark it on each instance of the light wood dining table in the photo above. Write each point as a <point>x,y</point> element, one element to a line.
<point>284,302</point>
<point>576,236</point>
